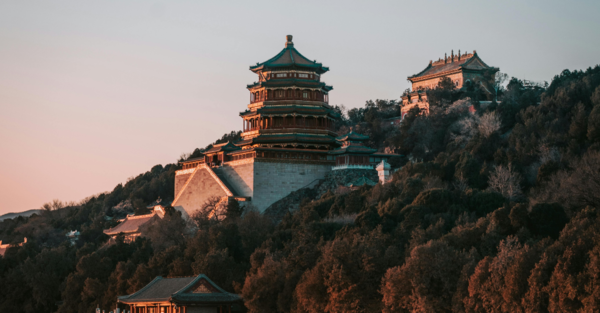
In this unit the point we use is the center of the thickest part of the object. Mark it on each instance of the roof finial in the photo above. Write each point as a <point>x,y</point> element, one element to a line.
<point>459,54</point>
<point>289,41</point>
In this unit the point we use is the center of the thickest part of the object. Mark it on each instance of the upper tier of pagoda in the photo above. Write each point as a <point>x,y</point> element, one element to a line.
<point>288,105</point>
<point>289,58</point>
<point>289,76</point>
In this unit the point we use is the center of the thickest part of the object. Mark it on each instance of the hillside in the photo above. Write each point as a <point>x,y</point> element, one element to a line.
<point>27,213</point>
<point>492,211</point>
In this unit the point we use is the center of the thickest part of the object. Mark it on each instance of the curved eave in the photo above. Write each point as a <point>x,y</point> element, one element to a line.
<point>352,136</point>
<point>421,72</point>
<point>268,65</point>
<point>317,68</point>
<point>290,110</point>
<point>353,151</point>
<point>289,83</point>
<point>289,138</point>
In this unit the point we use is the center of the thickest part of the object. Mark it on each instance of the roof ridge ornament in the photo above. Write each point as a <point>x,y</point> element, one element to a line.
<point>289,42</point>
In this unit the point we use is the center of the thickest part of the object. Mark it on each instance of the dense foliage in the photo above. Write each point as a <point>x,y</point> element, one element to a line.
<point>496,211</point>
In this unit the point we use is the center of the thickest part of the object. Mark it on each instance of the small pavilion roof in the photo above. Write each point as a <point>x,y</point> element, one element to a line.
<point>352,136</point>
<point>353,150</point>
<point>290,57</point>
<point>201,158</point>
<point>131,224</point>
<point>182,290</point>
<point>361,181</point>
<point>226,147</point>
<point>466,62</point>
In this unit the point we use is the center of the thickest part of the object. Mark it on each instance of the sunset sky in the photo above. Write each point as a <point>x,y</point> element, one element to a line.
<point>95,92</point>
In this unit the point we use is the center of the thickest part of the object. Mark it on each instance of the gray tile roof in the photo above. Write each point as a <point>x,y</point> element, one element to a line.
<point>130,225</point>
<point>182,290</point>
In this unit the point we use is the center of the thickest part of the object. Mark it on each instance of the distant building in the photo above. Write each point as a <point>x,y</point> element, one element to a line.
<point>288,140</point>
<point>392,121</point>
<point>460,69</point>
<point>130,226</point>
<point>5,246</point>
<point>354,154</point>
<point>73,236</point>
<point>182,295</point>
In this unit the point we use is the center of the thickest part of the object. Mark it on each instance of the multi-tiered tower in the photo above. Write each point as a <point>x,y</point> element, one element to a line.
<point>288,134</point>
<point>289,116</point>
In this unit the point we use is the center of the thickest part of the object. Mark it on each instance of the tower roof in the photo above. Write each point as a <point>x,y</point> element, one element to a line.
<point>290,57</point>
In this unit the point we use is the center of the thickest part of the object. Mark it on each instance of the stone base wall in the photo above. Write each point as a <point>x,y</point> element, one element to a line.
<point>264,181</point>
<point>275,180</point>
<point>200,188</point>
<point>181,178</point>
<point>240,175</point>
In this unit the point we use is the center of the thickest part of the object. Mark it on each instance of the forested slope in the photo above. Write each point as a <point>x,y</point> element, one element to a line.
<point>495,211</point>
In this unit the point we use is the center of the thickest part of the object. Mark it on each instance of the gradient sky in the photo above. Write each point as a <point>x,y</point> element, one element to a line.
<point>94,92</point>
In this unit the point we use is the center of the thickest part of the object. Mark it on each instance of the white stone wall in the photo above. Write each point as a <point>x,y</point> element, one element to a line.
<point>263,181</point>
<point>200,188</point>
<point>240,175</point>
<point>274,180</point>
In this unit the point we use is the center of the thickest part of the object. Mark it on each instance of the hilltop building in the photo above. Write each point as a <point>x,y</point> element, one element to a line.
<point>461,69</point>
<point>182,295</point>
<point>5,246</point>
<point>130,226</point>
<point>288,140</point>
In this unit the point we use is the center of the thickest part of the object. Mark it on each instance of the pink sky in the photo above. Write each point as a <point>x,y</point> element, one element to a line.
<point>94,93</point>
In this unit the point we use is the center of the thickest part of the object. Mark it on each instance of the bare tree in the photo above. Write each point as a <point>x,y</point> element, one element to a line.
<point>548,154</point>
<point>460,106</point>
<point>499,80</point>
<point>209,213</point>
<point>489,123</point>
<point>463,130</point>
<point>461,183</point>
<point>506,181</point>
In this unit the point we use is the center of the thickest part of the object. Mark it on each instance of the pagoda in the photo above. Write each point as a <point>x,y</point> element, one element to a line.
<point>288,141</point>
<point>288,116</point>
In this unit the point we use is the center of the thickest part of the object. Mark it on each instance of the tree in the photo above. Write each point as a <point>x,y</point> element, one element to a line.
<point>506,181</point>
<point>499,79</point>
<point>489,123</point>
<point>210,212</point>
<point>426,282</point>
<point>233,210</point>
<point>261,287</point>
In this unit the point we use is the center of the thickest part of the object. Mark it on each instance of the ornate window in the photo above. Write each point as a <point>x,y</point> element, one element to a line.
<point>303,75</point>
